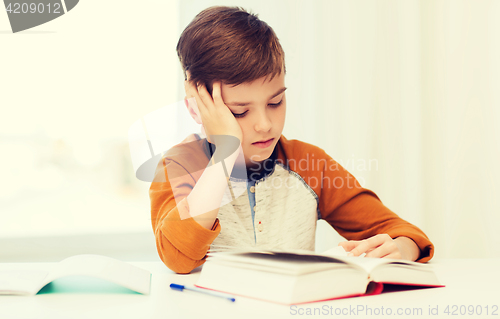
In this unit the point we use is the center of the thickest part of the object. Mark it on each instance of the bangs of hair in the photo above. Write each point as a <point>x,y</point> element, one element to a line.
<point>230,45</point>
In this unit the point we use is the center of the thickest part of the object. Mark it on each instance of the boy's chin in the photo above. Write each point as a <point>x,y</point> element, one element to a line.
<point>256,160</point>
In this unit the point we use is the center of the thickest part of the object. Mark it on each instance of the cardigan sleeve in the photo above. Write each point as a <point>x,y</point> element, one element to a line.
<point>357,213</point>
<point>363,215</point>
<point>182,244</point>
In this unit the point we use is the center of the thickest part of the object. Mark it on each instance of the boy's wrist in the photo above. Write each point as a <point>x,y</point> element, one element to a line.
<point>408,248</point>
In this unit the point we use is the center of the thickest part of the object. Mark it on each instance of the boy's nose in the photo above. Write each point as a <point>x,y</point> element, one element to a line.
<point>263,123</point>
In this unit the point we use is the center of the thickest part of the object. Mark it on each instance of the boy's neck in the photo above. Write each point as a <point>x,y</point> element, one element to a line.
<point>256,171</point>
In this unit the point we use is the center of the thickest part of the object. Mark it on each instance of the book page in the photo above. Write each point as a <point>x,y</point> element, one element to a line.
<point>335,251</point>
<point>21,282</point>
<point>292,263</point>
<point>103,267</point>
<point>307,261</point>
<point>368,264</point>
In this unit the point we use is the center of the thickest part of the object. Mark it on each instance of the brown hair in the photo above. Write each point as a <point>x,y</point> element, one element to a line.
<point>229,44</point>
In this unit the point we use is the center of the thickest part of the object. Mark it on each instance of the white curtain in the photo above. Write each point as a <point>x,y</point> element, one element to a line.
<point>406,96</point>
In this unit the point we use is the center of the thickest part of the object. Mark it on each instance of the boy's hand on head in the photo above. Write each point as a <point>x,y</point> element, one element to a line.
<point>383,246</point>
<point>216,117</point>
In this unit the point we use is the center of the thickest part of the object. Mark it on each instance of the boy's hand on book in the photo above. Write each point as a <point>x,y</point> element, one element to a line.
<point>383,246</point>
<point>216,117</point>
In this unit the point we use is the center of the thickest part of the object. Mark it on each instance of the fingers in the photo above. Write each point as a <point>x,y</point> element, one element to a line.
<point>217,93</point>
<point>349,245</point>
<point>192,92</point>
<point>372,246</point>
<point>205,97</point>
<point>395,255</point>
<point>201,94</point>
<point>215,115</point>
<point>378,246</point>
<point>190,88</point>
<point>381,251</point>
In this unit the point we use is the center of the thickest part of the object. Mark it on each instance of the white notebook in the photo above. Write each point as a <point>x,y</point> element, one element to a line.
<point>30,282</point>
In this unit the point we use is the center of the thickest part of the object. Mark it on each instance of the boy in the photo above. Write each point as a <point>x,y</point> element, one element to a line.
<point>257,189</point>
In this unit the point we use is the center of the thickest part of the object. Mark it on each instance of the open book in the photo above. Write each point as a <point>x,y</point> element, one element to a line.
<point>30,282</point>
<point>299,277</point>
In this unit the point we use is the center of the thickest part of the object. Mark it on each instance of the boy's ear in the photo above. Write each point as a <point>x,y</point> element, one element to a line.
<point>191,102</point>
<point>193,109</point>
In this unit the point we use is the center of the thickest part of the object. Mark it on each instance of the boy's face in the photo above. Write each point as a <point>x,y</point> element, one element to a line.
<point>259,108</point>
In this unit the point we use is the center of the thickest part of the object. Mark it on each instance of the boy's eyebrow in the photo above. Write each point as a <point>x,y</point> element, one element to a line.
<point>247,103</point>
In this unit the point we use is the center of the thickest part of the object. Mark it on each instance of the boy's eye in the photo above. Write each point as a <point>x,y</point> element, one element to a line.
<point>276,104</point>
<point>240,114</point>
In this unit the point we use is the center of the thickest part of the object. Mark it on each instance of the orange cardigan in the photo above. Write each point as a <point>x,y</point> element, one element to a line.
<point>356,213</point>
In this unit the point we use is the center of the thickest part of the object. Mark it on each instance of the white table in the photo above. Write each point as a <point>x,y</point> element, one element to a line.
<point>469,282</point>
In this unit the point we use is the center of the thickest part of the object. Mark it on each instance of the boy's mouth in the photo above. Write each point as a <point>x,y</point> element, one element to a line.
<point>264,143</point>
